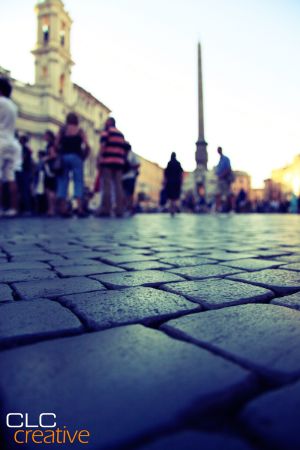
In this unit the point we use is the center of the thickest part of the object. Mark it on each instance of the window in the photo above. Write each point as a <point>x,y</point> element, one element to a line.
<point>45,72</point>
<point>62,37</point>
<point>61,84</point>
<point>46,30</point>
<point>62,34</point>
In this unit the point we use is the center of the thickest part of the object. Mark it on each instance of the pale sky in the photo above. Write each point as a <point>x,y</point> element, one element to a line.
<point>139,57</point>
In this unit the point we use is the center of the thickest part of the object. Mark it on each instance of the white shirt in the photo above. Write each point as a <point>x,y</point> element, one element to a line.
<point>8,117</point>
<point>133,160</point>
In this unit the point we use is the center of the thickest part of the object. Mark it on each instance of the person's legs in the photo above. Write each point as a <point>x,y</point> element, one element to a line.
<point>117,177</point>
<point>9,176</point>
<point>77,169</point>
<point>62,185</point>
<point>106,180</point>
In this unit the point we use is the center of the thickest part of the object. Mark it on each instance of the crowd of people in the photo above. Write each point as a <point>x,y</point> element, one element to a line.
<point>41,187</point>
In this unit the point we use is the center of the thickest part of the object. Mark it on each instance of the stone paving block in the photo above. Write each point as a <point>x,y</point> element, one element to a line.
<point>29,265</point>
<point>224,256</point>
<point>204,271</point>
<point>5,293</point>
<point>188,261</point>
<point>82,253</point>
<point>279,280</point>
<point>252,264</point>
<point>265,338</point>
<point>274,418</point>
<point>10,276</point>
<point>192,440</point>
<point>106,309</point>
<point>290,301</point>
<point>292,266</point>
<point>20,321</point>
<point>289,259</point>
<point>75,271</point>
<point>146,265</point>
<point>119,384</point>
<point>271,253</point>
<point>56,288</point>
<point>137,278</point>
<point>72,262</point>
<point>120,259</point>
<point>214,293</point>
<point>174,254</point>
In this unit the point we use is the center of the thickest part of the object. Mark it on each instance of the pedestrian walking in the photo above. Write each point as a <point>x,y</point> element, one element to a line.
<point>72,149</point>
<point>131,172</point>
<point>225,178</point>
<point>111,163</point>
<point>10,149</point>
<point>40,199</point>
<point>50,177</point>
<point>25,177</point>
<point>173,182</point>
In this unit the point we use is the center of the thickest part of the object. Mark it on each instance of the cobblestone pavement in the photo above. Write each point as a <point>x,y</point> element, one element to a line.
<point>154,333</point>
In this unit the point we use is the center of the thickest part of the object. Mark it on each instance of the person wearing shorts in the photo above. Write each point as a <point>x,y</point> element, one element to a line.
<point>10,149</point>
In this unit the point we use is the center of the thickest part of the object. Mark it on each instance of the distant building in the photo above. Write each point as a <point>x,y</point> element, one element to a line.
<point>149,182</point>
<point>242,181</point>
<point>44,104</point>
<point>287,178</point>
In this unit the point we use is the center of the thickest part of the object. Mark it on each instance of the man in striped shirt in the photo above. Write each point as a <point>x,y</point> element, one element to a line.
<point>111,161</point>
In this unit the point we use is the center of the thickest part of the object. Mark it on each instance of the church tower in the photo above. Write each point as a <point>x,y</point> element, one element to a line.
<point>53,62</point>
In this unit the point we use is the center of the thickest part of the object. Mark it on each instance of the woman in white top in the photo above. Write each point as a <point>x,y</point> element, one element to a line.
<point>10,149</point>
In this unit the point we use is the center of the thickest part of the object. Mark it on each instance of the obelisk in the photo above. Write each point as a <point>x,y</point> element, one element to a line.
<point>201,144</point>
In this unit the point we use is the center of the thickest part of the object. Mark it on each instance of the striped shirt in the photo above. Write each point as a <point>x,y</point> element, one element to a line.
<point>112,148</point>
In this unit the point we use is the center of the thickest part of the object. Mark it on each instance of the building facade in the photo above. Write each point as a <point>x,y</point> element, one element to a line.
<point>45,104</point>
<point>287,179</point>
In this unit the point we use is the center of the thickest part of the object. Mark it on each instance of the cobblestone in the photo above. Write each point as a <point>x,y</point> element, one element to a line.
<point>252,264</point>
<point>234,332</point>
<point>204,271</point>
<point>139,278</point>
<point>101,310</point>
<point>23,321</point>
<point>123,379</point>
<point>145,355</point>
<point>281,281</point>
<point>78,270</point>
<point>56,288</point>
<point>290,301</point>
<point>274,418</point>
<point>10,276</point>
<point>6,294</point>
<point>216,293</point>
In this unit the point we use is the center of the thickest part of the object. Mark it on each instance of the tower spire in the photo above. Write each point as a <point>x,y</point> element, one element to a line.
<point>201,152</point>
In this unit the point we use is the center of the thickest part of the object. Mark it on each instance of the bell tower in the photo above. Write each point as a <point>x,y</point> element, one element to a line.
<point>53,62</point>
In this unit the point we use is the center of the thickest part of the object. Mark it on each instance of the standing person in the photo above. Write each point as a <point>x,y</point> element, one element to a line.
<point>131,172</point>
<point>225,178</point>
<point>25,177</point>
<point>111,162</point>
<point>50,177</point>
<point>40,199</point>
<point>72,148</point>
<point>10,149</point>
<point>173,182</point>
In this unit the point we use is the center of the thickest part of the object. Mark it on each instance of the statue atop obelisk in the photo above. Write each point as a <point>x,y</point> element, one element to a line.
<point>201,151</point>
